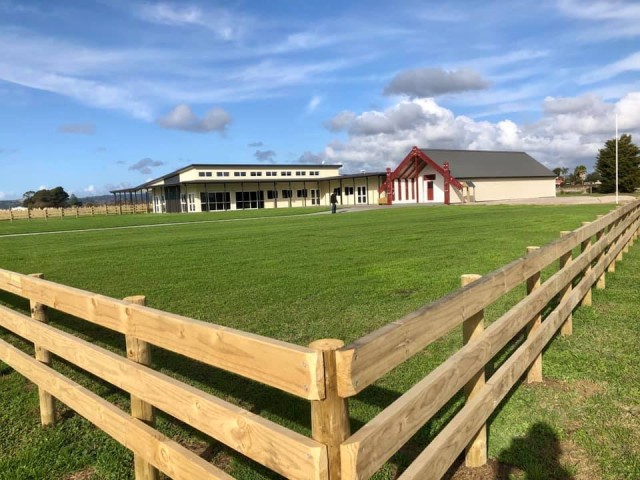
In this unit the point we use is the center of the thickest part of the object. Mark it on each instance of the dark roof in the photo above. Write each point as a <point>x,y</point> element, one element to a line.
<point>487,164</point>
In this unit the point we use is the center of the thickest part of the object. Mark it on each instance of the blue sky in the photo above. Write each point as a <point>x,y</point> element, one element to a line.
<point>108,94</point>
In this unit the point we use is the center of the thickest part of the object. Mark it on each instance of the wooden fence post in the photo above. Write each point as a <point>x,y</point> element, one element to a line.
<point>106,209</point>
<point>140,352</point>
<point>330,416</point>
<point>602,281</point>
<point>47,402</point>
<point>476,451</point>
<point>11,215</point>
<point>565,261</point>
<point>533,282</point>
<point>584,246</point>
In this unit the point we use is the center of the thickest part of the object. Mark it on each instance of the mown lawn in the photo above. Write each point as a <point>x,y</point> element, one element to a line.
<point>295,278</point>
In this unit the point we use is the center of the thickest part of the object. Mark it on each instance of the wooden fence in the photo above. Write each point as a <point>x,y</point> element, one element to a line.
<point>73,212</point>
<point>327,373</point>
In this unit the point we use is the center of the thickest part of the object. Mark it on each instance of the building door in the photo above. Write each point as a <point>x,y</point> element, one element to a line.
<point>172,195</point>
<point>315,196</point>
<point>429,180</point>
<point>361,194</point>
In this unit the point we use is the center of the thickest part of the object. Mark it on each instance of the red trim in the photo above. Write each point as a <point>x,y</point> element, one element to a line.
<point>399,189</point>
<point>430,190</point>
<point>417,156</point>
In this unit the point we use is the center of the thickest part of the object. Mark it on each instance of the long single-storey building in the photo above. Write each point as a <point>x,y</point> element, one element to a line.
<point>424,176</point>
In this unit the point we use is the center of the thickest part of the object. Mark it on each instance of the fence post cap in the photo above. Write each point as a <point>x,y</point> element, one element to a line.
<point>467,278</point>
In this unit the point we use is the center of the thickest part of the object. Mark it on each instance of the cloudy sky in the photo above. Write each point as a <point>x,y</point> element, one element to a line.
<point>110,93</point>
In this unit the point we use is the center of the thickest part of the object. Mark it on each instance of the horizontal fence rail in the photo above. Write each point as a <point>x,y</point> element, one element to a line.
<point>326,373</point>
<point>91,211</point>
<point>291,368</point>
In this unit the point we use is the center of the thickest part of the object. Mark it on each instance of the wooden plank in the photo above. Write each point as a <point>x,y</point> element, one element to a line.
<point>368,358</point>
<point>565,260</point>
<point>47,402</point>
<point>168,456</point>
<point>330,416</point>
<point>435,460</point>
<point>284,451</point>
<point>291,368</point>
<point>365,451</point>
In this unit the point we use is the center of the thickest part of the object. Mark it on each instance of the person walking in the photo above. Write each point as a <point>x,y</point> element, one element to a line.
<point>334,201</point>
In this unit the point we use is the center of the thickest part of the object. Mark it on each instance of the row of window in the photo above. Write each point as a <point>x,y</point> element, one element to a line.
<point>300,173</point>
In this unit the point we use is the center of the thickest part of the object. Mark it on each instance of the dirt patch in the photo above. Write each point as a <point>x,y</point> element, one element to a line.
<point>211,452</point>
<point>85,474</point>
<point>584,388</point>
<point>491,471</point>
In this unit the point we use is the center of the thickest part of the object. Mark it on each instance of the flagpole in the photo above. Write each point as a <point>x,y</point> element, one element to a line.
<point>617,159</point>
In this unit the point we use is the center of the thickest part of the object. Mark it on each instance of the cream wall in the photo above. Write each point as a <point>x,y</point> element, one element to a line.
<point>324,188</point>
<point>510,188</point>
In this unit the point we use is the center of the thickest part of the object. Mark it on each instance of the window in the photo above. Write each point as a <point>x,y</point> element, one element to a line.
<point>201,174</point>
<point>192,202</point>
<point>348,190</point>
<point>315,196</point>
<point>256,174</point>
<point>285,174</point>
<point>183,202</point>
<point>337,192</point>
<point>212,201</point>
<point>302,193</point>
<point>271,174</point>
<point>272,194</point>
<point>239,174</point>
<point>286,193</point>
<point>300,173</point>
<point>249,200</point>
<point>208,174</point>
<point>314,173</point>
<point>222,174</point>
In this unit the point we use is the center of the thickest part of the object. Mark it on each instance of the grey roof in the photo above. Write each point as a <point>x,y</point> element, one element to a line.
<point>471,164</point>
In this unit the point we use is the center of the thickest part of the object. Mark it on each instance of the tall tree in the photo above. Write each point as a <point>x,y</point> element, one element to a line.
<point>628,163</point>
<point>557,171</point>
<point>56,197</point>
<point>580,173</point>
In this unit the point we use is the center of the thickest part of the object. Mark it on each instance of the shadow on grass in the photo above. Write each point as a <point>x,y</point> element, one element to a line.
<point>536,456</point>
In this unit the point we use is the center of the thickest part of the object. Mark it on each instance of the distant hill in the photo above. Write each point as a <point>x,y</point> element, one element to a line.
<point>7,204</point>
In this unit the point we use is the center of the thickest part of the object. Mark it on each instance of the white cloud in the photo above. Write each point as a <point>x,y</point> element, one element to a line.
<point>571,132</point>
<point>313,103</point>
<point>91,190</point>
<point>183,118</point>
<point>613,18</point>
<point>630,63</point>
<point>225,24</point>
<point>3,195</point>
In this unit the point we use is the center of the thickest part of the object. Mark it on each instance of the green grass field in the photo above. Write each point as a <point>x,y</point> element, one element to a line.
<point>304,277</point>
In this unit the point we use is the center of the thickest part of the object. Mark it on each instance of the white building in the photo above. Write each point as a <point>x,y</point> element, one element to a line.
<point>424,176</point>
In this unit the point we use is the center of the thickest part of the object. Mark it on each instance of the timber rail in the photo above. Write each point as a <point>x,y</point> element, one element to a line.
<point>326,373</point>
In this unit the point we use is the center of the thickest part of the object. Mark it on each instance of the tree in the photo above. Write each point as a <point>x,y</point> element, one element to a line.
<point>628,162</point>
<point>56,197</point>
<point>557,171</point>
<point>580,173</point>
<point>593,177</point>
